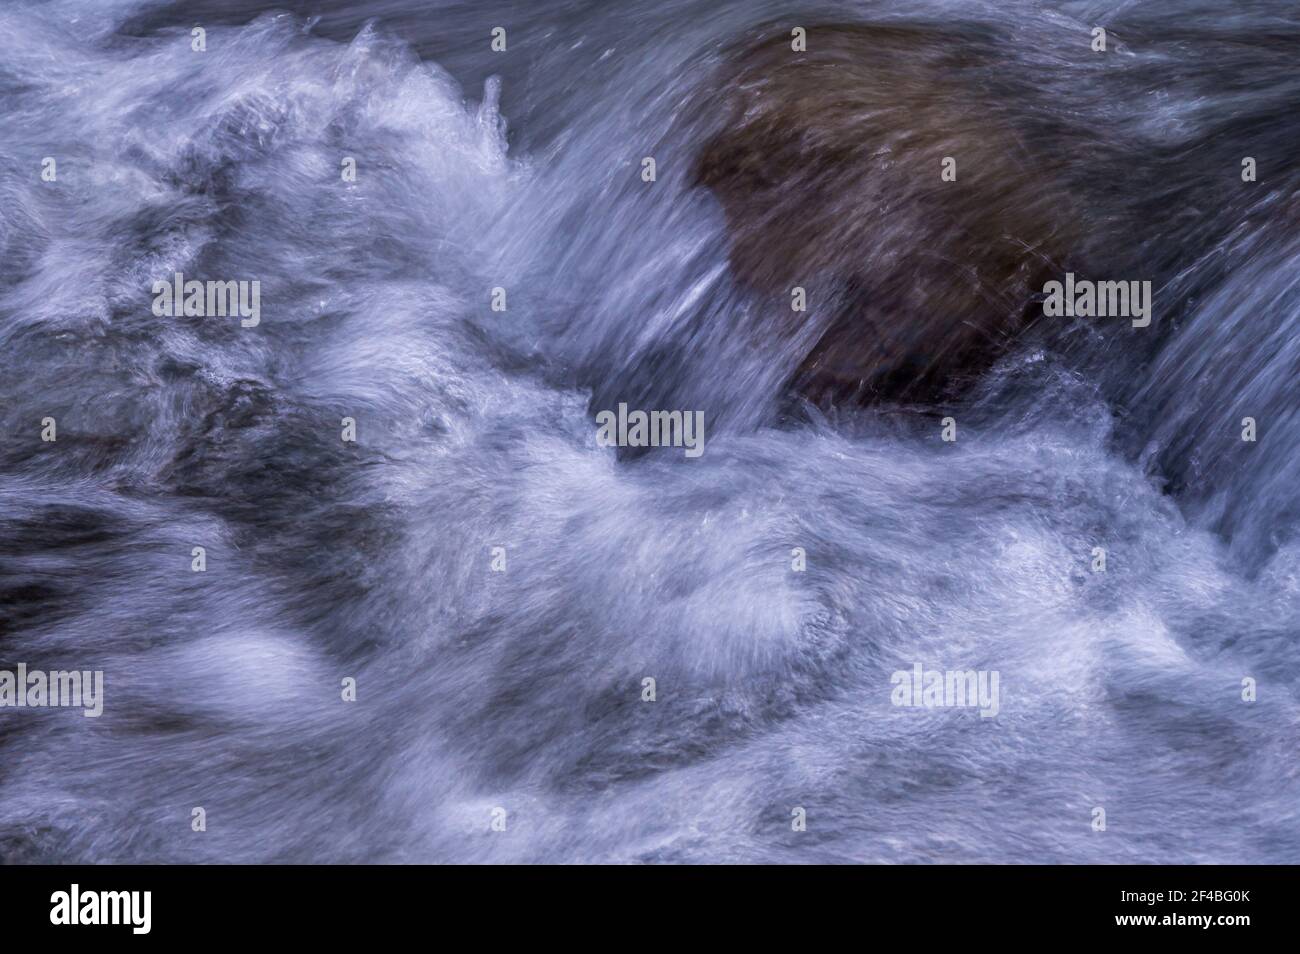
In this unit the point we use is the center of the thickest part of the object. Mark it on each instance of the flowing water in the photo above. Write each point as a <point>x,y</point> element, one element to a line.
<point>522,689</point>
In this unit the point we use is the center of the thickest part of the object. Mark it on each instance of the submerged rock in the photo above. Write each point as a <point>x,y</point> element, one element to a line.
<point>829,168</point>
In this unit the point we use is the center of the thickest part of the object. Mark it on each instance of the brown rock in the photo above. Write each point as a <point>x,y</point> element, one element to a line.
<point>828,170</point>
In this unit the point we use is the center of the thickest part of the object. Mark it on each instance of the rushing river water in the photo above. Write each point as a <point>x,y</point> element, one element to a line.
<point>523,690</point>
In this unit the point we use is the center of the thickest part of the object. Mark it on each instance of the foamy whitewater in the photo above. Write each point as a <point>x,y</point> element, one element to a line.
<point>522,690</point>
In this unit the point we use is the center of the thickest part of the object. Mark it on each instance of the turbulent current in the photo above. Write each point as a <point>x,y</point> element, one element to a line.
<point>498,584</point>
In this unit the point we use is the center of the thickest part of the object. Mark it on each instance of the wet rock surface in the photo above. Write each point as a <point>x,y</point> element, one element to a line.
<point>829,169</point>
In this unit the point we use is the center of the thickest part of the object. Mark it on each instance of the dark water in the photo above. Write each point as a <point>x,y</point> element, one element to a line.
<point>522,690</point>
